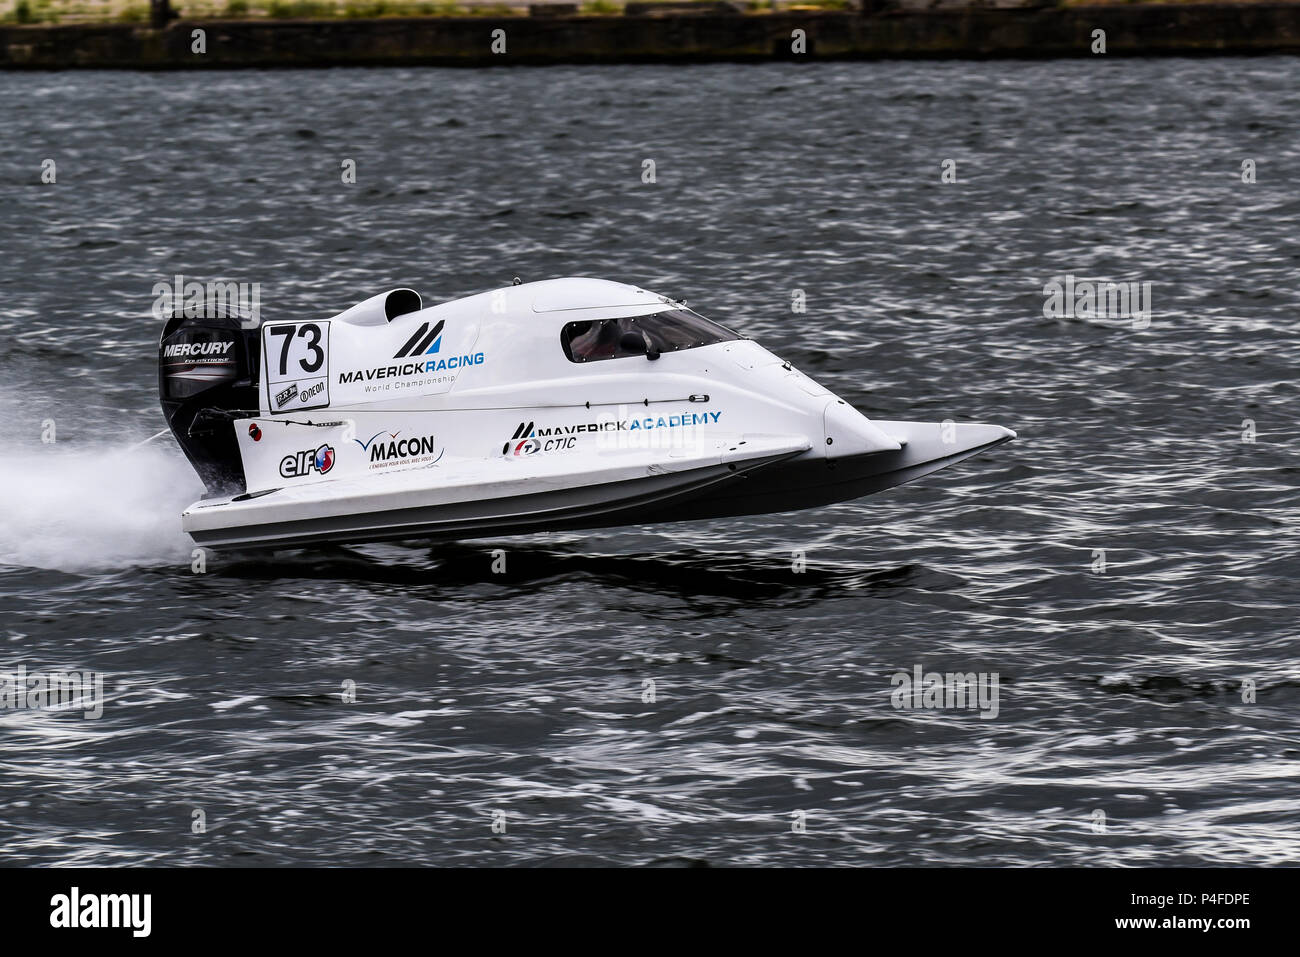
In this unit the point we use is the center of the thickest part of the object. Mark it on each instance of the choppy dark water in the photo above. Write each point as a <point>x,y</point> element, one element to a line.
<point>1121,693</point>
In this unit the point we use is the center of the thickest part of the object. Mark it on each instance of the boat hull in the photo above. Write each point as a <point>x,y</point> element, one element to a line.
<point>774,474</point>
<point>806,482</point>
<point>488,500</point>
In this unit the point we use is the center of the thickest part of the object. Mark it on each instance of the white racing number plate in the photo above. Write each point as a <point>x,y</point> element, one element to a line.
<point>295,356</point>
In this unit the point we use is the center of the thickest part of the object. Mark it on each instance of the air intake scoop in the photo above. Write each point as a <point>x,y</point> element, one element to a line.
<point>381,309</point>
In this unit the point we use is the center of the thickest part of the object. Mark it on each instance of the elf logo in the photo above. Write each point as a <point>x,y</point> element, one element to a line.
<point>527,446</point>
<point>425,342</point>
<point>304,463</point>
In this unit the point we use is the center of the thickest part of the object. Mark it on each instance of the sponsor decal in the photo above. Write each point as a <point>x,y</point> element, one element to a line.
<point>525,442</point>
<point>185,350</point>
<point>304,463</point>
<point>685,420</point>
<point>207,361</point>
<point>403,448</point>
<point>422,450</point>
<point>611,431</point>
<point>529,439</point>
<point>387,450</point>
<point>426,341</point>
<point>365,446</point>
<point>523,431</point>
<point>255,432</point>
<point>296,357</point>
<point>652,431</point>
<point>411,369</point>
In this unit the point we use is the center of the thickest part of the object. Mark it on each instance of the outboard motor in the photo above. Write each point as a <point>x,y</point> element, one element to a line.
<point>207,374</point>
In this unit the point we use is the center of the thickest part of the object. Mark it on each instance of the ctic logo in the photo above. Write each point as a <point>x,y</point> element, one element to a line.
<point>527,446</point>
<point>254,432</point>
<point>304,463</point>
<point>422,344</point>
<point>524,441</point>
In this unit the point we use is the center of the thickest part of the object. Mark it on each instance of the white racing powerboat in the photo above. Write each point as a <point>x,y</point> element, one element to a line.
<point>564,404</point>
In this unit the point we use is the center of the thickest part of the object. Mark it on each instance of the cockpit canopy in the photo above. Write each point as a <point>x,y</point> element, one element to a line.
<point>589,340</point>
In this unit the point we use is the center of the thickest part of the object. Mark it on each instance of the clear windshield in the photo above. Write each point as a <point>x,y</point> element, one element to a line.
<point>669,331</point>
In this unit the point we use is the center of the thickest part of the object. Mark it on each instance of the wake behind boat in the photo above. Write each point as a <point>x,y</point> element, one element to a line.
<point>563,404</point>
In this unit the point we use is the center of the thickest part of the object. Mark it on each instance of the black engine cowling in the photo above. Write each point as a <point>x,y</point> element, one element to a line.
<point>207,370</point>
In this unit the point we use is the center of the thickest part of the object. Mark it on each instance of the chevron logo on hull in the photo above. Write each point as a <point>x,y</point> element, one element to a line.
<point>425,342</point>
<point>522,441</point>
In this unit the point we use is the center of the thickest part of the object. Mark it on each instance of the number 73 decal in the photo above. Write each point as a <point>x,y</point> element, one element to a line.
<point>295,356</point>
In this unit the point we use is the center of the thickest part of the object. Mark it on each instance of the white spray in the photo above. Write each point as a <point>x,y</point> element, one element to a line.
<point>78,507</point>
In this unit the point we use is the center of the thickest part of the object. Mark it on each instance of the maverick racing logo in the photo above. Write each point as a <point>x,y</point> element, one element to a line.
<point>304,463</point>
<point>411,369</point>
<point>422,344</point>
<point>398,451</point>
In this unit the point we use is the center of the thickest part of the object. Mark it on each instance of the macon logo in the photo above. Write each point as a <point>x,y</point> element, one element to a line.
<point>395,448</point>
<point>365,446</point>
<point>304,463</point>
<point>388,451</point>
<point>425,342</point>
<point>402,448</point>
